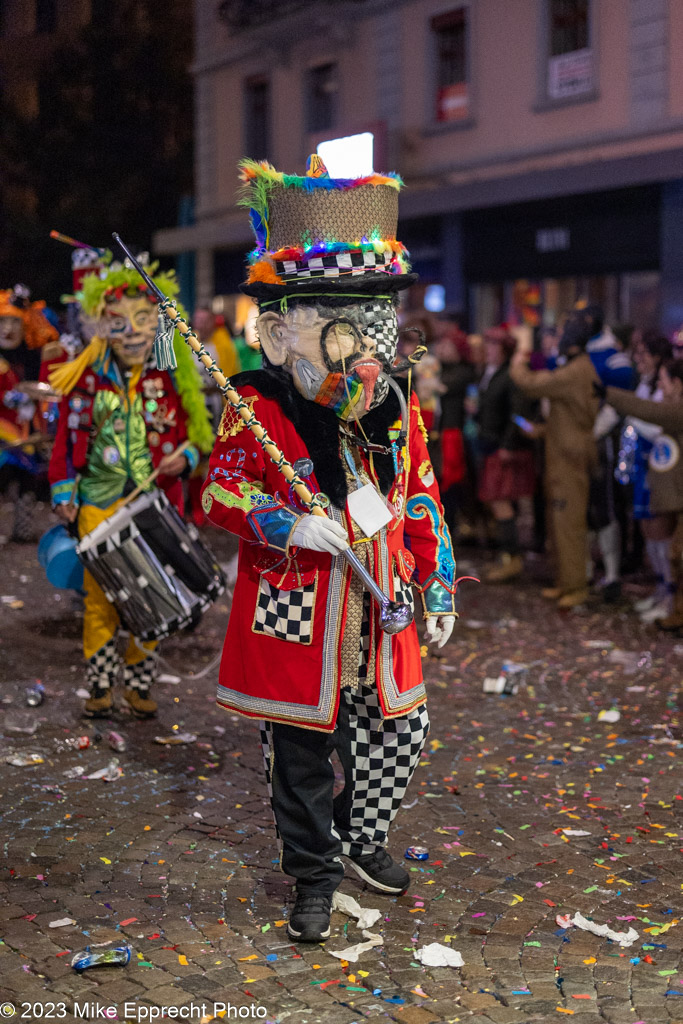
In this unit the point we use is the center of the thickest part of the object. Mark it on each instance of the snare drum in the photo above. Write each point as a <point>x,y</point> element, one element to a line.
<point>152,566</point>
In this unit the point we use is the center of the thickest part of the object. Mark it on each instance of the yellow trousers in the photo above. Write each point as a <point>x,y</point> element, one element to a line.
<point>100,620</point>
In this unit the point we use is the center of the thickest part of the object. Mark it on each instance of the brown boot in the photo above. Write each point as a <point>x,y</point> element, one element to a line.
<point>140,702</point>
<point>509,568</point>
<point>102,673</point>
<point>137,680</point>
<point>99,704</point>
<point>552,593</point>
<point>573,598</point>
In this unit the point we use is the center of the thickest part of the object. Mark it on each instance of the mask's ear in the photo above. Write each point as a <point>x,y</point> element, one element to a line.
<point>272,333</point>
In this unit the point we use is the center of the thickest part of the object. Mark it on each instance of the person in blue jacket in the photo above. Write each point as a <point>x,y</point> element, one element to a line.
<point>614,369</point>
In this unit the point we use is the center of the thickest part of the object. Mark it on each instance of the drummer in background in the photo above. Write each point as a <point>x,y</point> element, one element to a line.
<point>119,419</point>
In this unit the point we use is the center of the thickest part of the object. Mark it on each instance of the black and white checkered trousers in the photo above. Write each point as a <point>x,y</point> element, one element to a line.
<point>378,757</point>
<point>141,675</point>
<point>103,668</point>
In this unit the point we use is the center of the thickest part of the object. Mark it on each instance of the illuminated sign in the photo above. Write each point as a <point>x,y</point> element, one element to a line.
<point>553,239</point>
<point>349,157</point>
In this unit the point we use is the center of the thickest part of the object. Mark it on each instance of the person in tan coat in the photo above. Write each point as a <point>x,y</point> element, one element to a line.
<point>570,454</point>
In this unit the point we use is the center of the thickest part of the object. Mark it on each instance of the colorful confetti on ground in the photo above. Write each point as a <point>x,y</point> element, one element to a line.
<point>531,806</point>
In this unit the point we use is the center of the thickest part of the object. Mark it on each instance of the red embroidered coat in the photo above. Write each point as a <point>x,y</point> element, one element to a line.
<point>283,648</point>
<point>108,441</point>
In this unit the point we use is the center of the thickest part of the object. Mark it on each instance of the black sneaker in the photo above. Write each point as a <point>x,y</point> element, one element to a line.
<point>380,871</point>
<point>611,592</point>
<point>310,919</point>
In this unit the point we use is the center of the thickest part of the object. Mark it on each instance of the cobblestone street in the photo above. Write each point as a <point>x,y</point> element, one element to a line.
<point>531,806</point>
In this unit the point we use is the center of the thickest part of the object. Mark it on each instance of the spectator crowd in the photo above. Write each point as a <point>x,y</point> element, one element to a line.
<point>569,446</point>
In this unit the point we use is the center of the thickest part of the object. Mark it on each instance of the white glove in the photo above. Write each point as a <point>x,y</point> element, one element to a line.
<point>318,533</point>
<point>439,629</point>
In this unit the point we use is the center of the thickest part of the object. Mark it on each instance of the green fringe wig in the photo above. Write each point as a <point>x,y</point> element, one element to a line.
<point>186,376</point>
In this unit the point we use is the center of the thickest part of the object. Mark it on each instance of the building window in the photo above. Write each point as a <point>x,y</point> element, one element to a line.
<point>46,16</point>
<point>569,30</point>
<point>322,85</point>
<point>449,32</point>
<point>257,117</point>
<point>570,55</point>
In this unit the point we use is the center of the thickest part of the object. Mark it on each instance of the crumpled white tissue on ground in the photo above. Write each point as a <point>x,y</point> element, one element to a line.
<point>353,953</point>
<point>351,907</point>
<point>579,921</point>
<point>437,955</point>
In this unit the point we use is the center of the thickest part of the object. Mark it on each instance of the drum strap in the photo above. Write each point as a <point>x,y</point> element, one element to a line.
<point>93,437</point>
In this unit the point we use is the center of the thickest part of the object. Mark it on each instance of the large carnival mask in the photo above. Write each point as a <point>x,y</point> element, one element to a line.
<point>325,273</point>
<point>11,333</point>
<point>129,323</point>
<point>334,353</point>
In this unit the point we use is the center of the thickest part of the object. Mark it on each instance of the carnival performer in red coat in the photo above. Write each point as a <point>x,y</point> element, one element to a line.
<point>119,419</point>
<point>304,651</point>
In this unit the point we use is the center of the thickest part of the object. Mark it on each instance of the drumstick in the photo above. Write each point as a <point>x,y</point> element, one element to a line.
<point>31,439</point>
<point>74,491</point>
<point>152,476</point>
<point>59,237</point>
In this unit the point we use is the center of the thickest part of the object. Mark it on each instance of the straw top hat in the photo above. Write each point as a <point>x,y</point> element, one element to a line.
<point>316,234</point>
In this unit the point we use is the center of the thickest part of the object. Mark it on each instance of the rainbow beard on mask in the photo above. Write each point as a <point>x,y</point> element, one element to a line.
<point>349,394</point>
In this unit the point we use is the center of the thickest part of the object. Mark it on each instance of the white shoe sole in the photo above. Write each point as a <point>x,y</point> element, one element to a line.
<point>293,934</point>
<point>658,611</point>
<point>373,882</point>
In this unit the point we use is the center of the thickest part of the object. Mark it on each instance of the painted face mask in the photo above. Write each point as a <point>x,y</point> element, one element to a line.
<point>11,333</point>
<point>129,323</point>
<point>334,354</point>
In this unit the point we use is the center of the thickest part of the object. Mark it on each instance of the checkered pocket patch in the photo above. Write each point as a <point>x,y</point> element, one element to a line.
<point>286,614</point>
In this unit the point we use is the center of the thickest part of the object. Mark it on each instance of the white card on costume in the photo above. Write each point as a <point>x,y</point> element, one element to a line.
<point>368,509</point>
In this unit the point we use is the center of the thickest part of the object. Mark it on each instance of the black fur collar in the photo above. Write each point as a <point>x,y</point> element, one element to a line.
<point>319,429</point>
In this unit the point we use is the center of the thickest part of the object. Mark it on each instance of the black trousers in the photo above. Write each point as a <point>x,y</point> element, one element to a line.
<point>378,758</point>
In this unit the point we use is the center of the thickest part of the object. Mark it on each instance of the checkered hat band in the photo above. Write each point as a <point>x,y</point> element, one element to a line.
<point>356,261</point>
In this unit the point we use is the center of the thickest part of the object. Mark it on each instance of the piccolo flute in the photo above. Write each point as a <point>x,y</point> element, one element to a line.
<point>394,616</point>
